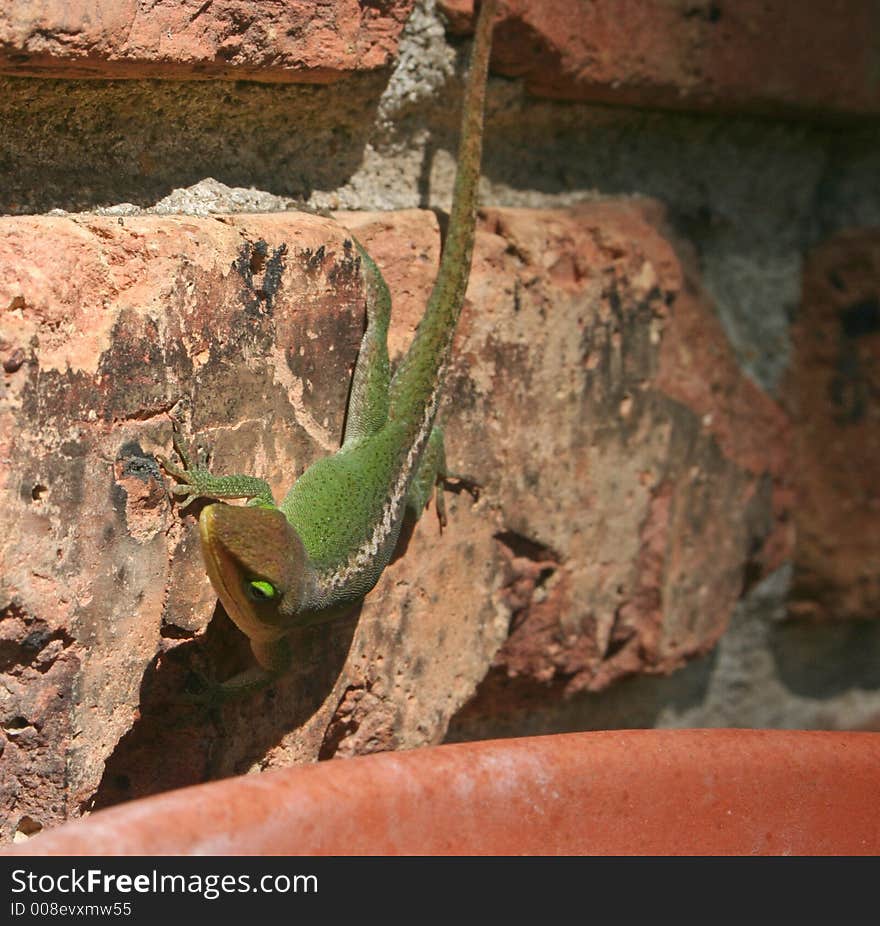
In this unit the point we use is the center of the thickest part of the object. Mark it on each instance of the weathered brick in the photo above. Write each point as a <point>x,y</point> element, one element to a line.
<point>749,55</point>
<point>834,395</point>
<point>630,475</point>
<point>289,41</point>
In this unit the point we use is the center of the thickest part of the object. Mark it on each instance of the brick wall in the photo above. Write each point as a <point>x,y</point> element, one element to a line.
<point>665,379</point>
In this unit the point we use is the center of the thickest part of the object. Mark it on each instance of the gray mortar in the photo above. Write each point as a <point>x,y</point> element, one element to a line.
<point>770,672</point>
<point>751,194</point>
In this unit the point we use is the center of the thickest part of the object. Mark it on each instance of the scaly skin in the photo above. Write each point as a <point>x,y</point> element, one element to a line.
<point>314,556</point>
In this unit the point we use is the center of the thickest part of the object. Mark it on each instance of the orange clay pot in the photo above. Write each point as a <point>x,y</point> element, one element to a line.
<point>656,792</point>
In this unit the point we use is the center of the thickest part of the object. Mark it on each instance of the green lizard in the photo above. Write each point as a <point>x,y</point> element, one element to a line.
<point>318,553</point>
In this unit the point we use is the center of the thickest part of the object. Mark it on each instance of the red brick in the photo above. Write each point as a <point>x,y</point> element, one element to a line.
<point>834,395</point>
<point>751,55</point>
<point>289,41</point>
<point>677,466</point>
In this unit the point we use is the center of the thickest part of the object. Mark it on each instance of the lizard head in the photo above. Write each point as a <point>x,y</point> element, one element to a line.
<point>257,565</point>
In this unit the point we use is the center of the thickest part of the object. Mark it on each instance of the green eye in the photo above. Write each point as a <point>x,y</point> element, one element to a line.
<point>261,591</point>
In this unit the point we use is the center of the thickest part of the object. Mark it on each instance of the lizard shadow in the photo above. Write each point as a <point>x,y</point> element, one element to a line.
<point>175,742</point>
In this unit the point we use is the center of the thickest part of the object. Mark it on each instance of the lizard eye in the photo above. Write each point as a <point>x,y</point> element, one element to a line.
<point>261,591</point>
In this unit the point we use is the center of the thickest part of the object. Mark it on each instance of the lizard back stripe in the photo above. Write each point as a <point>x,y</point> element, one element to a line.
<point>365,556</point>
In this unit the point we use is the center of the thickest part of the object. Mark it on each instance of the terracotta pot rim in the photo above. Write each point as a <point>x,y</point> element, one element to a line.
<point>621,792</point>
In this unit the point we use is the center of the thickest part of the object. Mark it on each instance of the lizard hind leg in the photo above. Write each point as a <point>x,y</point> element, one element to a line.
<point>431,477</point>
<point>428,479</point>
<point>368,400</point>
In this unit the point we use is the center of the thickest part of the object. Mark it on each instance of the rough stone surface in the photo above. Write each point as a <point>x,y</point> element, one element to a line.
<point>752,54</point>
<point>834,393</point>
<point>82,145</point>
<point>632,481</point>
<point>232,39</point>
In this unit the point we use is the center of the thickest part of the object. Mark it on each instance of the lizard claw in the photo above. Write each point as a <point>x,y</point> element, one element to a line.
<point>470,485</point>
<point>191,480</point>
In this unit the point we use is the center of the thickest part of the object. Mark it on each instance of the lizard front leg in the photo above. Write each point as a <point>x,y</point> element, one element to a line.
<point>256,563</point>
<point>195,481</point>
<point>273,660</point>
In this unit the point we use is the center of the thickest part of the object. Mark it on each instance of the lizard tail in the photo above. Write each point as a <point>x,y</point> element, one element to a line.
<point>420,374</point>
